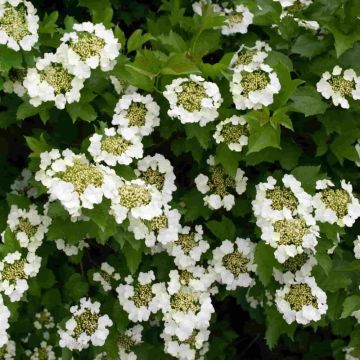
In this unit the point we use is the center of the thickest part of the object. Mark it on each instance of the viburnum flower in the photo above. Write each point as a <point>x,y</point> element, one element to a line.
<point>74,181</point>
<point>28,226</point>
<point>340,86</point>
<point>70,250</point>
<point>4,324</point>
<point>157,170</point>
<point>128,341</point>
<point>357,148</point>
<point>336,204</point>
<point>44,351</point>
<point>136,114</point>
<point>106,277</point>
<point>219,188</point>
<point>19,24</point>
<point>357,247</point>
<point>142,298</point>
<point>14,82</point>
<point>51,80</point>
<point>22,185</point>
<point>277,202</point>
<point>8,350</point>
<point>112,148</point>
<point>301,300</point>
<point>137,199</point>
<point>87,47</point>
<point>162,229</point>
<point>290,237</point>
<point>300,265</point>
<point>15,269</point>
<point>189,246</point>
<point>188,310</point>
<point>254,89</point>
<point>250,58</point>
<point>233,263</point>
<point>193,348</point>
<point>349,353</point>
<point>44,320</point>
<point>193,100</point>
<point>86,326</point>
<point>122,87</point>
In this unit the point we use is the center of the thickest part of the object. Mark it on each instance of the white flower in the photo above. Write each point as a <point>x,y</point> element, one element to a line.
<point>106,276</point>
<point>349,353</point>
<point>249,58</point>
<point>237,20</point>
<point>189,247</point>
<point>289,3</point>
<point>137,199</point>
<point>301,300</point>
<point>234,132</point>
<point>219,188</point>
<point>157,170</point>
<point>112,148</point>
<point>232,263</point>
<point>143,298</point>
<point>19,25</point>
<point>85,326</point>
<point>89,46</point>
<point>28,226</point>
<point>74,181</point>
<point>136,114</point>
<point>357,148</point>
<point>70,250</point>
<point>14,82</point>
<point>277,202</point>
<point>39,353</point>
<point>4,324</point>
<point>300,265</point>
<point>289,237</point>
<point>8,351</point>
<point>191,349</point>
<point>193,100</point>
<point>254,89</point>
<point>51,80</point>
<point>340,86</point>
<point>336,205</point>
<point>357,247</point>
<point>15,269</point>
<point>161,229</point>
<point>21,185</point>
<point>128,341</point>
<point>44,320</point>
<point>122,86</point>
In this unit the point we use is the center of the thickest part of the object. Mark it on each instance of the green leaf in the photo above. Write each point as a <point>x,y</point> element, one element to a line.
<point>80,110</point>
<point>76,287</point>
<point>137,39</point>
<point>179,64</point>
<point>307,175</point>
<point>202,134</point>
<point>227,158</point>
<point>48,25</point>
<point>351,304</point>
<point>133,257</point>
<point>262,137</point>
<point>9,58</point>
<point>173,42</point>
<point>265,260</point>
<point>309,45</point>
<point>46,278</point>
<point>223,230</point>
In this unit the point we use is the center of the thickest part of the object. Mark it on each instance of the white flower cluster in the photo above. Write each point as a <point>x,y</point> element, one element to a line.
<point>4,324</point>
<point>357,248</point>
<point>340,86</point>
<point>19,24</point>
<point>28,226</point>
<point>106,276</point>
<point>44,351</point>
<point>193,100</point>
<point>122,87</point>
<point>8,351</point>
<point>88,47</point>
<point>128,341</point>
<point>22,185</point>
<point>44,320</point>
<point>234,132</point>
<point>14,82</point>
<point>85,326</point>
<point>71,250</point>
<point>219,186</point>
<point>237,18</point>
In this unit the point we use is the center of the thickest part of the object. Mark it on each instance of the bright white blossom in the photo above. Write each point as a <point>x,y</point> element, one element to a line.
<point>142,297</point>
<point>301,300</point>
<point>254,89</point>
<point>28,226</point>
<point>69,249</point>
<point>15,269</point>
<point>106,276</point>
<point>234,132</point>
<point>19,24</point>
<point>52,80</point>
<point>220,188</point>
<point>340,86</point>
<point>357,247</point>
<point>86,326</point>
<point>162,229</point>
<point>4,324</point>
<point>122,87</point>
<point>193,100</point>
<point>189,247</point>
<point>136,114</point>
<point>74,181</point>
<point>128,341</point>
<point>22,185</point>
<point>157,170</point>
<point>14,82</point>
<point>112,148</point>
<point>336,204</point>
<point>44,351</point>
<point>88,47</point>
<point>233,263</point>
